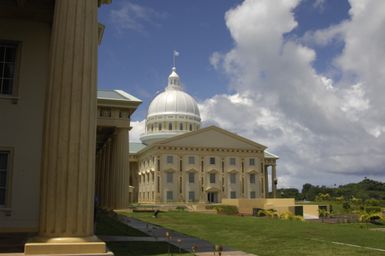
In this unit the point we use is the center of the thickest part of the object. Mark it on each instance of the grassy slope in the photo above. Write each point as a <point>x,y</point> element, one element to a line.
<point>272,237</point>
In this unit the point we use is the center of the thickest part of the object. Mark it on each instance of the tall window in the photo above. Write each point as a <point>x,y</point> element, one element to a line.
<point>181,126</point>
<point>4,172</point>
<point>212,160</point>
<point>170,196</point>
<point>170,126</point>
<point>191,160</point>
<point>190,127</point>
<point>191,196</point>
<point>233,178</point>
<point>252,178</point>
<point>8,55</point>
<point>252,194</point>
<point>169,176</point>
<point>232,161</point>
<point>159,127</point>
<point>191,177</point>
<point>212,177</point>
<point>170,159</point>
<point>252,161</point>
<point>233,194</point>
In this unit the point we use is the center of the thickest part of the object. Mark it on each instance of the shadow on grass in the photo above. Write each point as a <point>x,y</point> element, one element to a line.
<point>144,248</point>
<point>109,226</point>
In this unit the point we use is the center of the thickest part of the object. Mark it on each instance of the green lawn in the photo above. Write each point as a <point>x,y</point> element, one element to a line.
<point>108,226</point>
<point>272,236</point>
<point>143,248</point>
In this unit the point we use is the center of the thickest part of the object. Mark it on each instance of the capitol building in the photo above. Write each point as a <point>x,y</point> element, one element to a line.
<point>178,161</point>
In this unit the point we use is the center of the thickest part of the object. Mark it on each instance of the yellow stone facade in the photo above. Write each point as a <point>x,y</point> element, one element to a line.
<point>204,166</point>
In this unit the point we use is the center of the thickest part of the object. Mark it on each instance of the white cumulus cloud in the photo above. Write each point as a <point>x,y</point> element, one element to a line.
<point>324,131</point>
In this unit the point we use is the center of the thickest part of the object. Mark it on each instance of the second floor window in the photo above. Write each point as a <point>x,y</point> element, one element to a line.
<point>169,177</point>
<point>212,160</point>
<point>170,159</point>
<point>8,57</point>
<point>252,161</point>
<point>212,177</point>
<point>191,160</point>
<point>252,178</point>
<point>191,177</point>
<point>4,172</point>
<point>232,161</point>
<point>233,178</point>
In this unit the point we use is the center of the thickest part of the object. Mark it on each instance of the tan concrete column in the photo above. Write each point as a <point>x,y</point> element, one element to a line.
<point>266,172</point>
<point>68,156</point>
<point>98,172</point>
<point>274,181</point>
<point>121,169</point>
<point>103,176</point>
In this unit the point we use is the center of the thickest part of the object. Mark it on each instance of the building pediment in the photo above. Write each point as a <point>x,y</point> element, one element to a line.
<point>192,170</point>
<point>212,189</point>
<point>212,170</point>
<point>212,137</point>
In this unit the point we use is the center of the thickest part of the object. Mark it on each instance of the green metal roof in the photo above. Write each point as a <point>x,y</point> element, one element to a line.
<point>116,95</point>
<point>135,147</point>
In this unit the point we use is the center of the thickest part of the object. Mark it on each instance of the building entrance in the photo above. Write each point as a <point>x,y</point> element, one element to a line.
<point>212,197</point>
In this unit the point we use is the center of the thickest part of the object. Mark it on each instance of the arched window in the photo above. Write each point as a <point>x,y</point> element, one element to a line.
<point>152,127</point>
<point>160,127</point>
<point>190,127</point>
<point>170,126</point>
<point>180,126</point>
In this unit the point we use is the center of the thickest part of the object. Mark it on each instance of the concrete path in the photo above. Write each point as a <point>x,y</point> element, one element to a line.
<point>177,239</point>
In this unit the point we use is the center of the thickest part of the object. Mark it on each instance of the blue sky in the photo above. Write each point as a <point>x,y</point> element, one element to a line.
<point>138,58</point>
<point>303,77</point>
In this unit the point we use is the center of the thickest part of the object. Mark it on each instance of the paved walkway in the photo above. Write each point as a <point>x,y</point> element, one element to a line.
<point>177,239</point>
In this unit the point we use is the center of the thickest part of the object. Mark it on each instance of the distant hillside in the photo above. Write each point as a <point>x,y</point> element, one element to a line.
<point>365,189</point>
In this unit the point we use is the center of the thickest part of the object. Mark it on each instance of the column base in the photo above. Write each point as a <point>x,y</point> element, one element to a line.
<point>66,245</point>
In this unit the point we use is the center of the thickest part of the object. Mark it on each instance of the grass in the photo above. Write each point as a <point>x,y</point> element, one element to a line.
<point>108,226</point>
<point>272,236</point>
<point>143,248</point>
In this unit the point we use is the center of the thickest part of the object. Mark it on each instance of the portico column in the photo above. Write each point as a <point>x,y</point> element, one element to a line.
<point>121,169</point>
<point>68,156</point>
<point>274,181</point>
<point>266,181</point>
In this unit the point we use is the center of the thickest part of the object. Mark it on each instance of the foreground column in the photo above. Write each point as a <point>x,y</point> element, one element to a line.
<point>274,181</point>
<point>266,172</point>
<point>68,163</point>
<point>121,169</point>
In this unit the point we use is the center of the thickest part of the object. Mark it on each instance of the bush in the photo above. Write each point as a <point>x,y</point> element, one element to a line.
<point>271,213</point>
<point>372,202</point>
<point>181,208</point>
<point>346,205</point>
<point>373,209</point>
<point>226,209</point>
<point>375,218</point>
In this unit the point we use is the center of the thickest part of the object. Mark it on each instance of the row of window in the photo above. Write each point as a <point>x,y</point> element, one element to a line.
<point>191,195</point>
<point>152,127</point>
<point>191,160</point>
<point>212,178</point>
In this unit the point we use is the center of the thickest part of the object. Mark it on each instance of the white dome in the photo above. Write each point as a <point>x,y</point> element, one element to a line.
<point>170,113</point>
<point>173,102</point>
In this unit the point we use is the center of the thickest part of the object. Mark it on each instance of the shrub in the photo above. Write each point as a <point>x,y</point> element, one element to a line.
<point>181,208</point>
<point>271,213</point>
<point>373,209</point>
<point>226,209</point>
<point>346,205</point>
<point>372,202</point>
